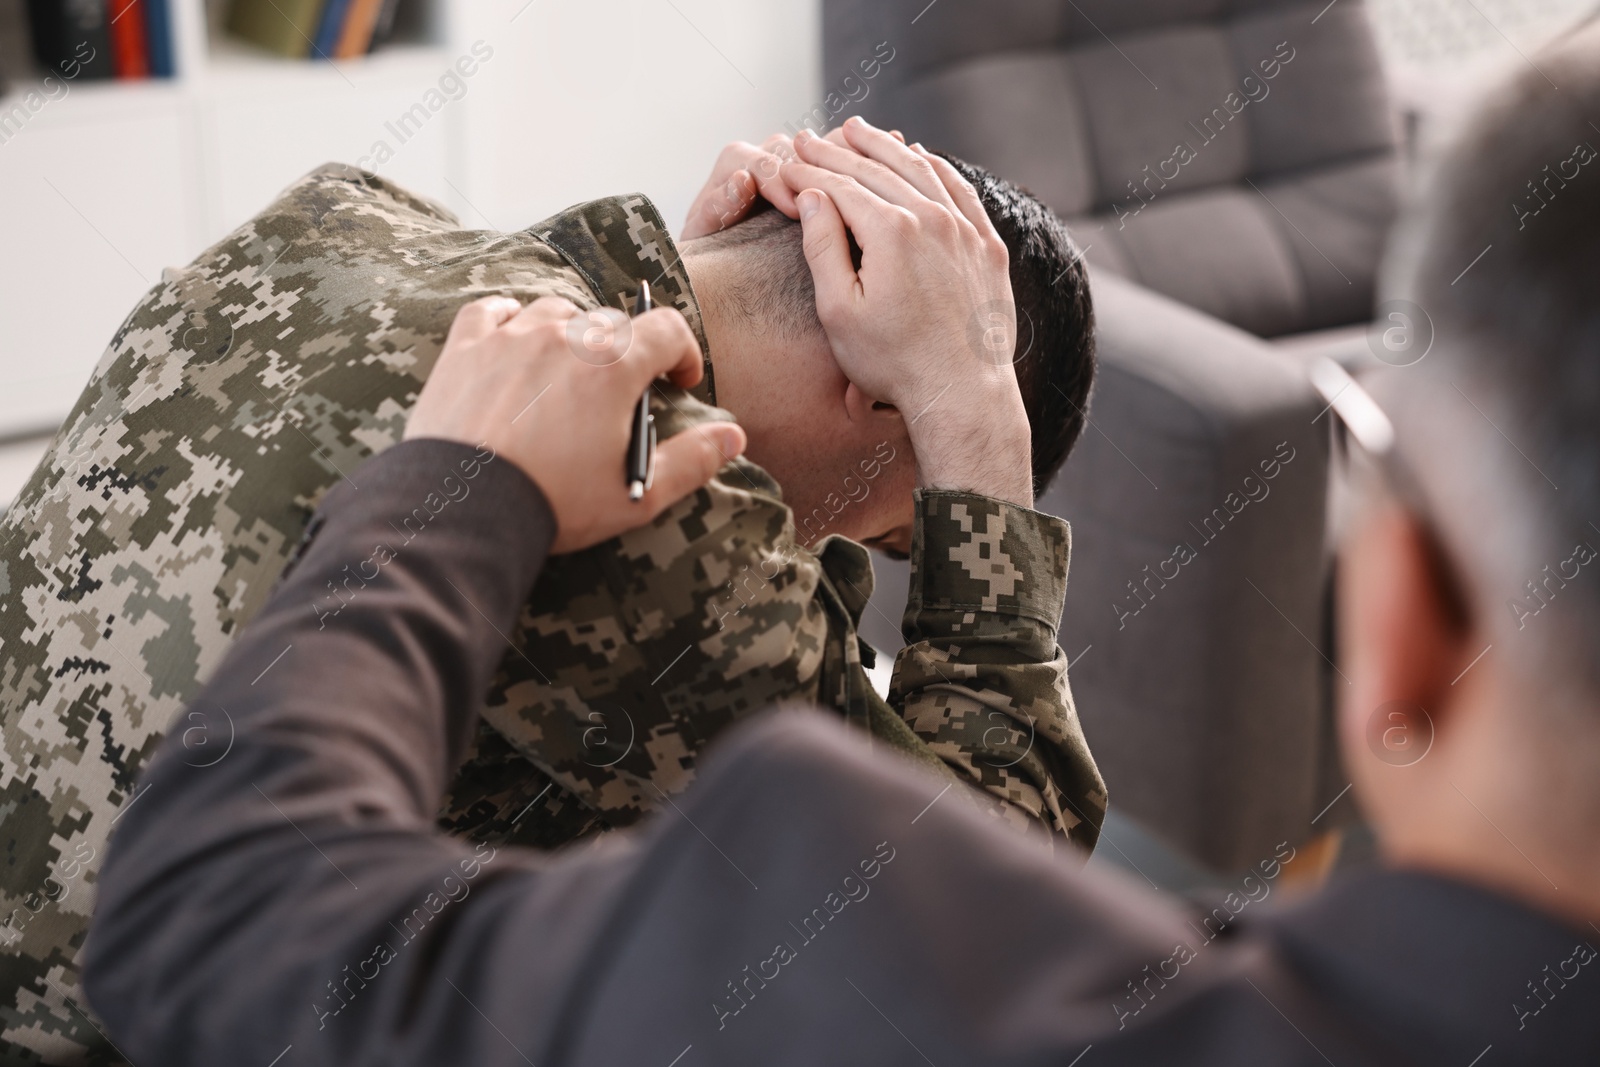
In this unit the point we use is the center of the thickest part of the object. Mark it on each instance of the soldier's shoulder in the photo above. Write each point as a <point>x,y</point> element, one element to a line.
<point>336,206</point>
<point>343,182</point>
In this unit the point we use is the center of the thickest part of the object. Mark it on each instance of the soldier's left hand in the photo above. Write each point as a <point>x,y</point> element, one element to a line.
<point>744,174</point>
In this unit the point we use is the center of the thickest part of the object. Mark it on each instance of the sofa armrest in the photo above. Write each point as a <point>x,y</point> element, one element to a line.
<point>1199,675</point>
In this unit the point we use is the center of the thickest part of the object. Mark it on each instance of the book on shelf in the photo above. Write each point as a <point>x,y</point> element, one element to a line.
<point>286,27</point>
<point>316,29</point>
<point>71,38</point>
<point>130,47</point>
<point>329,28</point>
<point>358,25</point>
<point>385,27</point>
<point>158,32</point>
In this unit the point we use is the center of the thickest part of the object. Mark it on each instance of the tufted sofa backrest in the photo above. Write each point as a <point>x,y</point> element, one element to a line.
<point>1236,155</point>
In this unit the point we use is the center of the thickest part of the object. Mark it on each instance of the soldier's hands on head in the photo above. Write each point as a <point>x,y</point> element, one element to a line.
<point>742,174</point>
<point>509,378</point>
<point>927,323</point>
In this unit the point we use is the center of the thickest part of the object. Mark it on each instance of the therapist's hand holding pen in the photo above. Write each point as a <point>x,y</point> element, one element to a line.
<point>508,378</point>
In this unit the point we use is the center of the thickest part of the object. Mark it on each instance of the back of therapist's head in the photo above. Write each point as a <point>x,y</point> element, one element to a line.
<point>1500,420</point>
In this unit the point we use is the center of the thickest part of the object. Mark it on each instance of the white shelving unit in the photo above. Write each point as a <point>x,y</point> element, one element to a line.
<point>110,182</point>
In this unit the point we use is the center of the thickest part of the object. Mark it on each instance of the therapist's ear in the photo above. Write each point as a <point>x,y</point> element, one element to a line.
<point>1405,636</point>
<point>861,408</point>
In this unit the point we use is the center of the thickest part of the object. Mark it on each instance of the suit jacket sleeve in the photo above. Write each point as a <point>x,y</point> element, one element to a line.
<point>292,890</point>
<point>292,893</point>
<point>981,678</point>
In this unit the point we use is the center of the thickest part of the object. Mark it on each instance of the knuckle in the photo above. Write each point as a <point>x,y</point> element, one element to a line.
<point>842,184</point>
<point>552,334</point>
<point>877,170</point>
<point>661,326</point>
<point>767,164</point>
<point>830,308</point>
<point>473,310</point>
<point>938,220</point>
<point>556,304</point>
<point>816,240</point>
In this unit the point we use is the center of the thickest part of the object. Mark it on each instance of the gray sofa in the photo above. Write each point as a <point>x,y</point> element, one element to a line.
<point>1202,677</point>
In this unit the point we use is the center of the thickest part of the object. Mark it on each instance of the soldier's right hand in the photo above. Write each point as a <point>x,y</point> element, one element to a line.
<point>927,318</point>
<point>510,377</point>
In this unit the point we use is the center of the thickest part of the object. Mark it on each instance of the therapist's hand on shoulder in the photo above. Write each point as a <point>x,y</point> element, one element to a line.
<point>510,378</point>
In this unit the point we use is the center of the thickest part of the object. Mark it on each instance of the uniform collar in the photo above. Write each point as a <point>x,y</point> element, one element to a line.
<point>614,242</point>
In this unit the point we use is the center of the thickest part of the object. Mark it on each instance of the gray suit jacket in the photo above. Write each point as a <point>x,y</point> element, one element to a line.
<point>807,901</point>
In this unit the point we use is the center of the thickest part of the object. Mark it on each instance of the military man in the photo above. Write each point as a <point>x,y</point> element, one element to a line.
<point>246,385</point>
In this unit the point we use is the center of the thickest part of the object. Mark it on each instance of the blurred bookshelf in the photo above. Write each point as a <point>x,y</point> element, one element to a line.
<point>204,51</point>
<point>106,182</point>
<point>419,34</point>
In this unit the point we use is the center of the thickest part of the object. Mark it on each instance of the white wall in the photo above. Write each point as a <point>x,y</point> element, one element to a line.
<point>82,235</point>
<point>614,96</point>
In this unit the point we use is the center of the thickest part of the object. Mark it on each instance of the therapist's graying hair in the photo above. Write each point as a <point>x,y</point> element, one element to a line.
<point>1502,420</point>
<point>1055,318</point>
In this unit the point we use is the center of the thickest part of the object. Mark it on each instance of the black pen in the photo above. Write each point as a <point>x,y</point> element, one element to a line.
<point>642,442</point>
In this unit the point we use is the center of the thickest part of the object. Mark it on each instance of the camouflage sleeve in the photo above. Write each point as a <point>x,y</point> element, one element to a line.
<point>981,678</point>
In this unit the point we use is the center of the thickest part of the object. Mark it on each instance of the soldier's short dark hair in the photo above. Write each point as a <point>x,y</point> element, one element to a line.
<point>1055,317</point>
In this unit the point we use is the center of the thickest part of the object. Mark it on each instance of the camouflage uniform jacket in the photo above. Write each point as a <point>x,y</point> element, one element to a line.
<point>245,385</point>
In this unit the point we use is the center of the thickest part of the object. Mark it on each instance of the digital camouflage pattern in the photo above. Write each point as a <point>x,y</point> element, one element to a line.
<point>245,385</point>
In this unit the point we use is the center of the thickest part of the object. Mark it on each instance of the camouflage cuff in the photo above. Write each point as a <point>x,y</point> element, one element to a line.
<point>972,553</point>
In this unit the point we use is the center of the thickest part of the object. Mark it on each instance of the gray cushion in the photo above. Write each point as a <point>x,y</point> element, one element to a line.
<point>954,111</point>
<point>1214,250</point>
<point>1204,707</point>
<point>1272,220</point>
